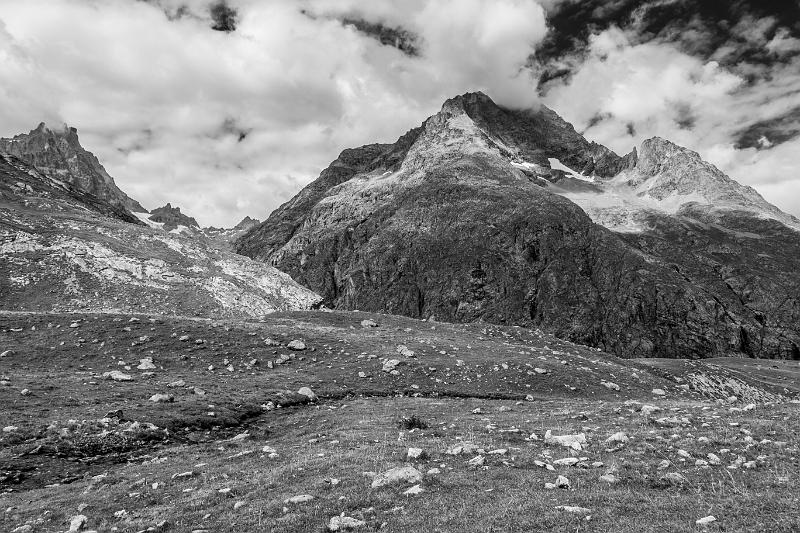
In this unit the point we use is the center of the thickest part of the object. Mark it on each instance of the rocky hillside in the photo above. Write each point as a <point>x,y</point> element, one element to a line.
<point>58,154</point>
<point>481,215</point>
<point>171,218</point>
<point>63,249</point>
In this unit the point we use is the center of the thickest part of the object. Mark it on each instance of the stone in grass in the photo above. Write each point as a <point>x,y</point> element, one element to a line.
<point>116,375</point>
<point>618,437</point>
<point>562,482</point>
<point>570,441</point>
<point>296,345</point>
<point>162,398</point>
<point>659,392</point>
<point>610,385</point>
<point>573,509</point>
<point>77,523</point>
<point>308,393</point>
<point>146,364</point>
<point>400,474</point>
<point>302,498</point>
<point>390,365</point>
<point>416,489</point>
<point>344,523</point>
<point>416,453</point>
<point>705,520</point>
<point>369,323</point>
<point>611,479</point>
<point>404,350</point>
<point>673,478</point>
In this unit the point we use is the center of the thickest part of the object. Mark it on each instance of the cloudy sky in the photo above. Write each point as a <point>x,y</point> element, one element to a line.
<point>228,108</point>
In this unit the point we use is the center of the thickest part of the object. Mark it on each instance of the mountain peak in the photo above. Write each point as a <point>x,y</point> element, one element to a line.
<point>58,154</point>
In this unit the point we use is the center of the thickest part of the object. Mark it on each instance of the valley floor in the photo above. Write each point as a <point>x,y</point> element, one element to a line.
<point>232,441</point>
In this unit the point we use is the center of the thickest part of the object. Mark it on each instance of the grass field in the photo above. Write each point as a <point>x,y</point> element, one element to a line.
<point>238,440</point>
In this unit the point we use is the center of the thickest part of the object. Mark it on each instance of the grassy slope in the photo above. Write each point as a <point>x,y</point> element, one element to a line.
<point>354,429</point>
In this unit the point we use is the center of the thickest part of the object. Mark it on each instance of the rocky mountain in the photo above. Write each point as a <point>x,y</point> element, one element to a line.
<point>58,154</point>
<point>506,216</point>
<point>171,218</point>
<point>63,249</point>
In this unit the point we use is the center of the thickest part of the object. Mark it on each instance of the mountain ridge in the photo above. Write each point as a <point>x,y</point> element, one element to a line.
<point>394,236</point>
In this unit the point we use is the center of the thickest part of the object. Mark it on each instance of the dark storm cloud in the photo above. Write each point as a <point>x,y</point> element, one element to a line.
<point>765,134</point>
<point>224,17</point>
<point>403,40</point>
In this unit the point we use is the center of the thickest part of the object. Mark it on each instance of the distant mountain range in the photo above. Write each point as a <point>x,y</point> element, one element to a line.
<point>480,214</point>
<point>490,214</point>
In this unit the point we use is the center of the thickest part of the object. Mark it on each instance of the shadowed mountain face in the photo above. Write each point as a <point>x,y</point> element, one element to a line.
<point>486,214</point>
<point>58,154</point>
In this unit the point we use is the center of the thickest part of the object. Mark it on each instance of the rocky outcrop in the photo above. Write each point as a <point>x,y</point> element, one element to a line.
<point>172,218</point>
<point>65,250</point>
<point>470,218</point>
<point>58,154</point>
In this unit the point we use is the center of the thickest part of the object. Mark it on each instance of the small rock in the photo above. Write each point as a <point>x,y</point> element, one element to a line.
<point>116,375</point>
<point>369,324</point>
<point>705,520</point>
<point>610,385</point>
<point>416,489</point>
<point>302,498</point>
<point>404,351</point>
<point>619,437</point>
<point>611,479</point>
<point>390,365</point>
<point>162,398</point>
<point>570,441</point>
<point>415,453</point>
<point>673,478</point>
<point>659,392</point>
<point>573,509</point>
<point>179,383</point>
<point>401,474</point>
<point>562,482</point>
<point>238,505</point>
<point>344,523</point>
<point>296,345</point>
<point>308,393</point>
<point>78,522</point>
<point>146,364</point>
<point>478,460</point>
<point>568,461</point>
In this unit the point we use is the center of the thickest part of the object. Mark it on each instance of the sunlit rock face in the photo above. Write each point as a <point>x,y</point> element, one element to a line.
<point>511,216</point>
<point>63,249</point>
<point>57,153</point>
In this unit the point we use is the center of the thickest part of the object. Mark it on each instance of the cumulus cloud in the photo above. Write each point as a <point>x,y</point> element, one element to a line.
<point>624,91</point>
<point>234,122</point>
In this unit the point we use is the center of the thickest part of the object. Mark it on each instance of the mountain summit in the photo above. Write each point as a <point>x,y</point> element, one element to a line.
<point>489,214</point>
<point>58,154</point>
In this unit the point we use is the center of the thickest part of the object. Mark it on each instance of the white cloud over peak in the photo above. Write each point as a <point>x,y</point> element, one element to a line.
<point>233,124</point>
<point>623,92</point>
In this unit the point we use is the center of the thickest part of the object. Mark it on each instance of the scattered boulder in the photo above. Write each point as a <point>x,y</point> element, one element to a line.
<point>179,383</point>
<point>618,437</point>
<point>416,489</point>
<point>146,364</point>
<point>573,509</point>
<point>116,375</point>
<point>344,523</point>
<point>706,520</point>
<point>401,474</point>
<point>162,398</point>
<point>308,393</point>
<point>296,345</point>
<point>369,324</point>
<point>404,351</point>
<point>570,441</point>
<point>302,498</point>
<point>610,385</point>
<point>611,479</point>
<point>390,365</point>
<point>659,392</point>
<point>415,453</point>
<point>562,482</point>
<point>77,523</point>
